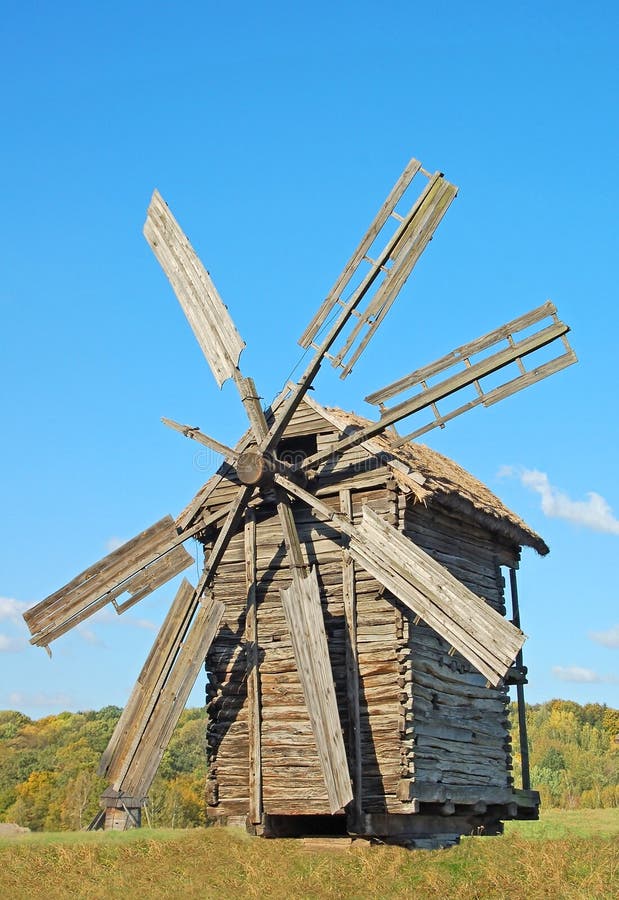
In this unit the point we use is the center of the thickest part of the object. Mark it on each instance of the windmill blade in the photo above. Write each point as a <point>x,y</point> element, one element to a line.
<point>387,271</point>
<point>303,611</point>
<point>472,373</point>
<point>170,670</point>
<point>143,731</point>
<point>394,260</point>
<point>139,566</point>
<point>195,434</point>
<point>417,231</point>
<point>487,640</point>
<point>205,310</point>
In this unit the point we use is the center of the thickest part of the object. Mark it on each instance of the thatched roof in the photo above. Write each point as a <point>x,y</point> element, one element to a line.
<point>430,476</point>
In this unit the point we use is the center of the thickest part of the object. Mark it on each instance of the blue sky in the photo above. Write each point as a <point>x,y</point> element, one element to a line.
<point>275,131</point>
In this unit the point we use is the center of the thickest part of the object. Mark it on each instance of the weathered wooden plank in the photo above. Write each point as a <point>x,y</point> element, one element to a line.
<point>253,678</point>
<point>301,602</point>
<point>170,701</point>
<point>352,664</point>
<point>205,311</point>
<point>151,679</point>
<point>462,353</point>
<point>100,583</point>
<point>483,637</point>
<point>158,573</point>
<point>410,243</point>
<point>206,440</point>
<point>367,240</point>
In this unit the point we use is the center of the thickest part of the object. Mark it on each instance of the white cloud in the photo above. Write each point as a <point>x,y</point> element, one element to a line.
<point>506,472</point>
<point>581,675</point>
<point>113,543</point>
<point>593,513</point>
<point>12,610</point>
<point>11,644</point>
<point>609,638</point>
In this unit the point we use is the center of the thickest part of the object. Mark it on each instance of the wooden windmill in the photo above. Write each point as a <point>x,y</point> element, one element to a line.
<point>308,543</point>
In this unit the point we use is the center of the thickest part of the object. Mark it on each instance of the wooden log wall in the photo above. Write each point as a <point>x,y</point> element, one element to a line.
<point>425,719</point>
<point>226,691</point>
<point>457,743</point>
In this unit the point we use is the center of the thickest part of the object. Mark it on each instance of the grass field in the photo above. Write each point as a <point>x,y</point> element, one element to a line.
<point>567,855</point>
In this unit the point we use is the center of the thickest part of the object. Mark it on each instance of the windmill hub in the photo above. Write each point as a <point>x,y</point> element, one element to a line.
<point>252,467</point>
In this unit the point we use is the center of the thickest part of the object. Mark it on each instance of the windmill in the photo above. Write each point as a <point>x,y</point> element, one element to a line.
<point>263,479</point>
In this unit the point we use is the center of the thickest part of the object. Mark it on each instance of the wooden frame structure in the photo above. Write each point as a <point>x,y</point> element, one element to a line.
<point>427,735</point>
<point>310,542</point>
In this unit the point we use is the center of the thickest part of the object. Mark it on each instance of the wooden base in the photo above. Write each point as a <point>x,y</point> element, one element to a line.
<point>426,826</point>
<point>122,811</point>
<point>122,819</point>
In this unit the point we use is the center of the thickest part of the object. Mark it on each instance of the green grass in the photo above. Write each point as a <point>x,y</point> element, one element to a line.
<point>567,855</point>
<point>559,823</point>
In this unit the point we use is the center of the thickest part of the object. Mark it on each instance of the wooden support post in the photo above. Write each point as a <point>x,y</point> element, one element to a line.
<point>352,667</point>
<point>253,679</point>
<point>522,718</point>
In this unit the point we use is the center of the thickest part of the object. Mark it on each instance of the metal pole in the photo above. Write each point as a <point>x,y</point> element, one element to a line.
<point>522,720</point>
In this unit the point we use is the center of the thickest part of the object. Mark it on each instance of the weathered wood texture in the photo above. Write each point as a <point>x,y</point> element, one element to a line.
<point>152,558</point>
<point>304,614</point>
<point>482,636</point>
<point>138,742</point>
<point>381,276</point>
<point>349,597</point>
<point>205,310</point>
<point>291,770</point>
<point>253,675</point>
<point>459,745</point>
<point>428,728</point>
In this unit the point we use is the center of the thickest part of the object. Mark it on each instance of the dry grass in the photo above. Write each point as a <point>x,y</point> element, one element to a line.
<point>226,863</point>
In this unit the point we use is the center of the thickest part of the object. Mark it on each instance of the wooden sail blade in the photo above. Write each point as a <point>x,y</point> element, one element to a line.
<point>157,574</point>
<point>414,239</point>
<point>488,398</point>
<point>171,700</point>
<point>205,310</point>
<point>152,676</point>
<point>487,640</point>
<point>108,579</point>
<point>471,373</point>
<point>196,435</point>
<point>386,210</point>
<point>388,268</point>
<point>338,309</point>
<point>303,610</point>
<point>459,356</point>
<point>142,733</point>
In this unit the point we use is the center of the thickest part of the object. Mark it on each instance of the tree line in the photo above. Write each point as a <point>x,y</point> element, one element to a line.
<point>48,770</point>
<point>574,753</point>
<point>49,781</point>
